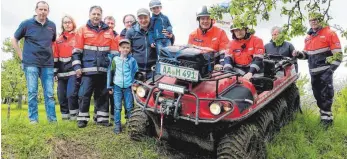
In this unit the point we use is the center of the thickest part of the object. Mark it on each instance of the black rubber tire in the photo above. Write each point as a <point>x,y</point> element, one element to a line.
<point>292,97</point>
<point>139,124</point>
<point>279,111</point>
<point>264,120</point>
<point>243,143</point>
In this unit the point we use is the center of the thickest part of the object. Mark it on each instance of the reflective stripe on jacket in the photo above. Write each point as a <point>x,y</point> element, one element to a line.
<point>62,51</point>
<point>320,45</point>
<point>246,52</point>
<point>93,44</point>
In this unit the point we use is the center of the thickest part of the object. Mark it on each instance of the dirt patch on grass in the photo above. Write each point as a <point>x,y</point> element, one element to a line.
<point>70,149</point>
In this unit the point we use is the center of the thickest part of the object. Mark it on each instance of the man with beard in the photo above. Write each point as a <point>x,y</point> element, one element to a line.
<point>142,51</point>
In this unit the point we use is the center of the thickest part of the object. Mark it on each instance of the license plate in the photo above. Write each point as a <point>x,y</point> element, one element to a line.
<point>179,72</point>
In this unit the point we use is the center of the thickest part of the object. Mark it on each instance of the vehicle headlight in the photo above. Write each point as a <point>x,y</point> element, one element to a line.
<point>141,91</point>
<point>226,107</point>
<point>215,108</point>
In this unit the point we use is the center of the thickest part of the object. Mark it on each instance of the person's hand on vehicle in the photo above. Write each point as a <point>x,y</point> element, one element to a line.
<point>78,73</point>
<point>248,75</point>
<point>218,67</point>
<point>206,49</point>
<point>295,53</point>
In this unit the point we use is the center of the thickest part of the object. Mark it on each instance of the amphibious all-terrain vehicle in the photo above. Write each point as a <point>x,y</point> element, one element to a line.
<point>218,110</point>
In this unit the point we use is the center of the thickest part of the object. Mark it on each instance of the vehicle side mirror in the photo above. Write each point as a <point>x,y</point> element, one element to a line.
<point>262,83</point>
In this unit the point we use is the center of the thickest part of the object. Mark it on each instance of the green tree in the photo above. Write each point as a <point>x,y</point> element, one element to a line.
<point>13,85</point>
<point>252,11</point>
<point>12,76</point>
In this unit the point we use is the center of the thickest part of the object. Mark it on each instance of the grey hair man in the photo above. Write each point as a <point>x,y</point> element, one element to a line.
<point>277,45</point>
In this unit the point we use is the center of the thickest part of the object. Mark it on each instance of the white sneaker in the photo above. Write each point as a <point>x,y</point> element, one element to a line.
<point>34,122</point>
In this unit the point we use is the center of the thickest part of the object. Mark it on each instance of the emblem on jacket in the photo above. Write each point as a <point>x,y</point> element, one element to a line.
<point>198,40</point>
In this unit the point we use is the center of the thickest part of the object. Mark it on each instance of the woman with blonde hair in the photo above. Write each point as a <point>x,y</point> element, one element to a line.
<point>68,83</point>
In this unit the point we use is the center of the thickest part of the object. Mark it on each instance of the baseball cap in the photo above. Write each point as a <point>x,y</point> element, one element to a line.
<point>143,11</point>
<point>124,41</point>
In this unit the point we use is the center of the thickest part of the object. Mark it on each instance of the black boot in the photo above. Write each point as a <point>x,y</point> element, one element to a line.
<point>106,124</point>
<point>82,124</point>
<point>326,123</point>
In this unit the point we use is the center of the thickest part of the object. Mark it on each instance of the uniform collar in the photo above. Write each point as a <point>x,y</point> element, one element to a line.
<point>208,30</point>
<point>67,35</point>
<point>314,33</point>
<point>102,26</point>
<point>247,37</point>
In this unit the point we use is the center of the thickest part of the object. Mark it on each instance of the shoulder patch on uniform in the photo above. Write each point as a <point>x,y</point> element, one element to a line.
<point>337,44</point>
<point>86,35</point>
<point>59,41</point>
<point>259,51</point>
<point>237,50</point>
<point>198,40</point>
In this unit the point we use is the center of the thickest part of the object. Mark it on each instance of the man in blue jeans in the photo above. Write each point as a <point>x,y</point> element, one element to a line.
<point>37,59</point>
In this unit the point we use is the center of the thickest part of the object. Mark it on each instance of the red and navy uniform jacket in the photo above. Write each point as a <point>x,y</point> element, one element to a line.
<point>62,49</point>
<point>214,38</point>
<point>320,45</point>
<point>246,53</point>
<point>93,44</point>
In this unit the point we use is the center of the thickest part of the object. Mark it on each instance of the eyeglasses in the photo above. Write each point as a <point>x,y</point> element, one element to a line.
<point>129,22</point>
<point>68,22</point>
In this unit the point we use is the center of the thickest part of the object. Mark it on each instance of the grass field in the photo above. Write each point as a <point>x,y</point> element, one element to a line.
<point>302,138</point>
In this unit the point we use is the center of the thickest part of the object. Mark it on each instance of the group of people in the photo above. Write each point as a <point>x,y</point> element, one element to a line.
<point>95,59</point>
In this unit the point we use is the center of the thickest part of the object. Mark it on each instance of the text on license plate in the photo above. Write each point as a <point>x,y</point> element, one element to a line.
<point>179,72</point>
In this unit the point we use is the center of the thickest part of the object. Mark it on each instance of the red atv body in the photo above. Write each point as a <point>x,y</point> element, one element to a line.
<point>214,106</point>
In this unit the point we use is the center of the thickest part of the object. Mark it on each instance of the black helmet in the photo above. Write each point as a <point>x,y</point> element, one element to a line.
<point>154,3</point>
<point>202,12</point>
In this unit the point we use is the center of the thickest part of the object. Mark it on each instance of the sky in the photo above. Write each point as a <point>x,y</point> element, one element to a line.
<point>180,12</point>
